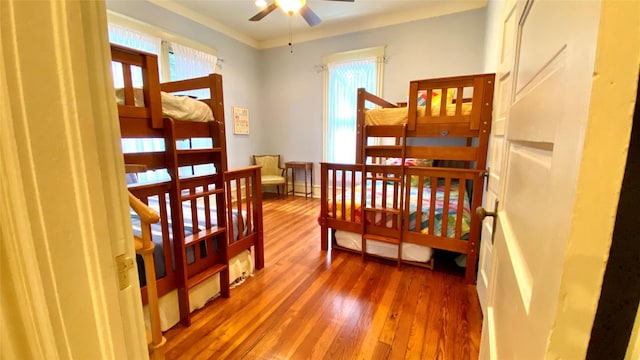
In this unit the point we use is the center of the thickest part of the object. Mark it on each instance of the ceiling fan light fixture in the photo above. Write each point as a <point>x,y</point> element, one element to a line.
<point>290,6</point>
<point>261,3</point>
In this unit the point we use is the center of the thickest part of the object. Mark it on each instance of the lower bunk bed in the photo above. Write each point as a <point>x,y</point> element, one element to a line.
<point>244,247</point>
<point>419,171</point>
<point>443,211</point>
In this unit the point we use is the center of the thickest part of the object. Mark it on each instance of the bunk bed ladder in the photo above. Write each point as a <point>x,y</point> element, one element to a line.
<point>383,177</point>
<point>207,242</point>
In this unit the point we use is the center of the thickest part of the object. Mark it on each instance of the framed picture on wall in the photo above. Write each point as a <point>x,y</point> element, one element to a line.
<point>240,120</point>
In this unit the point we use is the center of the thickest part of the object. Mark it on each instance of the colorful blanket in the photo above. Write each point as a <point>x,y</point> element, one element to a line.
<point>379,218</point>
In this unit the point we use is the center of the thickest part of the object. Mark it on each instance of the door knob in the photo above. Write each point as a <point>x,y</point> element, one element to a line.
<point>482,213</point>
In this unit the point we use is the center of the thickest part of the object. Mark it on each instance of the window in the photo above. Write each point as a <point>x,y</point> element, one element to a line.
<point>344,74</point>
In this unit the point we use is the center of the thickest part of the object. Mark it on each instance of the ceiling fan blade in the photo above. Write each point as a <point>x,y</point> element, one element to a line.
<point>311,17</point>
<point>266,11</point>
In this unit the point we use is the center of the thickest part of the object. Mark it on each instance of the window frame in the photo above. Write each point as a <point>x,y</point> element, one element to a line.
<point>341,57</point>
<point>166,38</point>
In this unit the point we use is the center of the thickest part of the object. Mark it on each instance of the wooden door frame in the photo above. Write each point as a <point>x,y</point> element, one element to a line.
<point>618,304</point>
<point>64,208</point>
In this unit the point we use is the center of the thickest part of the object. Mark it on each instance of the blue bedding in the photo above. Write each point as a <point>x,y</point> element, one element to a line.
<point>156,235</point>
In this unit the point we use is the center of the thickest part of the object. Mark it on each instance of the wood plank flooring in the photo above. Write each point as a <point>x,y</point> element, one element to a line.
<point>310,304</point>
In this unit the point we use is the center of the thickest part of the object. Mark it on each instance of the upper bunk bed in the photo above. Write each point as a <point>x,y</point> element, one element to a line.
<point>419,171</point>
<point>207,223</point>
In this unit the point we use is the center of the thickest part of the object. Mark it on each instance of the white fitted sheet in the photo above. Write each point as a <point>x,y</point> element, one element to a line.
<point>241,267</point>
<point>410,252</point>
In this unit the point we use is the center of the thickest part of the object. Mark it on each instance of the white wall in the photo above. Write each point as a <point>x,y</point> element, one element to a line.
<point>240,70</point>
<point>291,124</point>
<point>492,35</point>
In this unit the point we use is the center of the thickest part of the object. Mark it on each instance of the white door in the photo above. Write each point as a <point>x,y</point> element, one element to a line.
<point>502,102</point>
<point>543,90</point>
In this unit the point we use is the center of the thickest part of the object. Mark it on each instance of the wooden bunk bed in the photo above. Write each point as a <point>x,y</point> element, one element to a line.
<point>419,171</point>
<point>202,226</point>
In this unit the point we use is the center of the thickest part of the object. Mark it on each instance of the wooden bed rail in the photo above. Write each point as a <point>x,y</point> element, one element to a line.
<point>148,63</point>
<point>144,246</point>
<point>363,98</point>
<point>345,182</point>
<point>244,196</point>
<point>333,177</point>
<point>481,85</point>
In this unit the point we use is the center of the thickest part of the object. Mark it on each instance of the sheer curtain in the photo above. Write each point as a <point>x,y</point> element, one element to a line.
<point>190,63</point>
<point>151,44</point>
<point>344,79</point>
<point>187,63</point>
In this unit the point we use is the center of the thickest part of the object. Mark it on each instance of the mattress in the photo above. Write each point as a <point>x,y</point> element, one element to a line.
<point>398,116</point>
<point>181,108</point>
<point>241,267</point>
<point>410,252</point>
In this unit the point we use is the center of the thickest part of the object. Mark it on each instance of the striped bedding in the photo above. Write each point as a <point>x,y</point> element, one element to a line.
<point>156,233</point>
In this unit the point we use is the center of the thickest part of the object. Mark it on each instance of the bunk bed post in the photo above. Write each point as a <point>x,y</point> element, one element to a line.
<point>217,107</point>
<point>359,125</point>
<point>484,89</point>
<point>151,80</point>
<point>485,119</point>
<point>257,208</point>
<point>412,109</point>
<point>324,236</point>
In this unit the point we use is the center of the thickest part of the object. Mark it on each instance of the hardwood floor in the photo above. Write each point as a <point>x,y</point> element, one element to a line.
<point>310,304</point>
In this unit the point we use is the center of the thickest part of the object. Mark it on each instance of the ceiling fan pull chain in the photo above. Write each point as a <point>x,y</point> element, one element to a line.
<point>290,37</point>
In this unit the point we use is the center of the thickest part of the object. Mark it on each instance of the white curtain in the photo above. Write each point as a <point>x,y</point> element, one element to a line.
<point>190,63</point>
<point>135,40</point>
<point>151,44</point>
<point>344,80</point>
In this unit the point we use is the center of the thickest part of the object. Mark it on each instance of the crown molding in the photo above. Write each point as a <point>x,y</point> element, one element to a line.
<point>206,21</point>
<point>376,21</point>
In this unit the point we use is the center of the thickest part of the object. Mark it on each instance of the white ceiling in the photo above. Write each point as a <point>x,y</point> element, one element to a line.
<point>231,17</point>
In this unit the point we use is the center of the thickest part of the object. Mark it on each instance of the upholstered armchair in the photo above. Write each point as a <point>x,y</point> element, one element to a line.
<point>272,173</point>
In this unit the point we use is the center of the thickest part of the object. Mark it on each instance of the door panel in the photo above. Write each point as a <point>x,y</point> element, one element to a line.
<point>526,197</point>
<point>538,105</point>
<point>544,120</point>
<point>503,90</point>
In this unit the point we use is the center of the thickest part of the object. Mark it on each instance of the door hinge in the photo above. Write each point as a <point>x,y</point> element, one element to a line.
<point>124,264</point>
<point>486,175</point>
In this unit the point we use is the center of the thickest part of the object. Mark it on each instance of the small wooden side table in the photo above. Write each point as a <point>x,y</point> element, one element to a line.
<point>307,167</point>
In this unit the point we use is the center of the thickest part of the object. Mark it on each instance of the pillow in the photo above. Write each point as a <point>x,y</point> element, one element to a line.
<point>411,162</point>
<point>436,99</point>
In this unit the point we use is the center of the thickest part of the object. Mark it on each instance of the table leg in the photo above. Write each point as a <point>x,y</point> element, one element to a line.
<point>305,183</point>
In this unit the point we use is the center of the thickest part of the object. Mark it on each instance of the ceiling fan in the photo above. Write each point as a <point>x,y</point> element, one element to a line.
<point>291,7</point>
